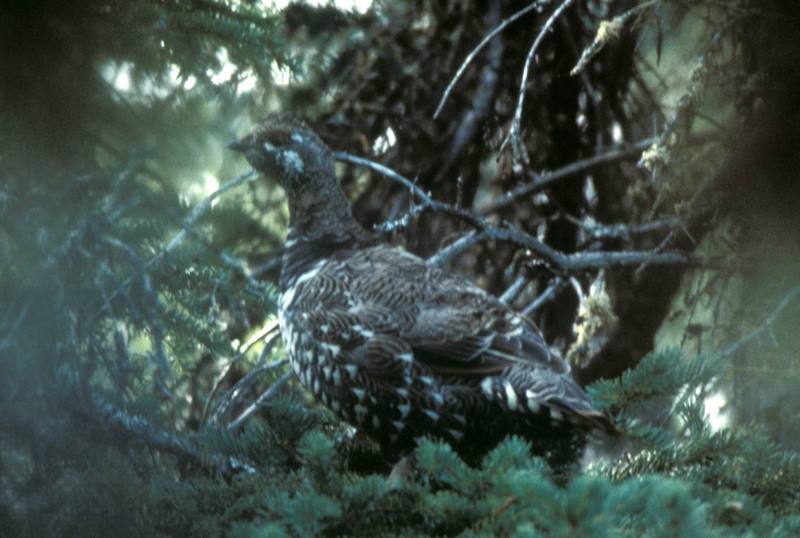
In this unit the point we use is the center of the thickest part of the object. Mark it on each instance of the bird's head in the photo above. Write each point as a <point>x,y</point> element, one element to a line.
<point>288,151</point>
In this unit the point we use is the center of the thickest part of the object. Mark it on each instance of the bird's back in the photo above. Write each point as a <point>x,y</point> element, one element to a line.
<point>402,349</point>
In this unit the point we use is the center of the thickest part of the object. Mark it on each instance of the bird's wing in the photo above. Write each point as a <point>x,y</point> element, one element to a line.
<point>459,331</point>
<point>464,331</point>
<point>453,326</point>
<point>393,309</point>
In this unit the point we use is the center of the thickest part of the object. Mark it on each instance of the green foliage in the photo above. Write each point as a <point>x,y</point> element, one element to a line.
<point>704,484</point>
<point>114,293</point>
<point>659,376</point>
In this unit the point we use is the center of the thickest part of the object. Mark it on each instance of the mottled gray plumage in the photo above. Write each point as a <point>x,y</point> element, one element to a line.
<point>392,345</point>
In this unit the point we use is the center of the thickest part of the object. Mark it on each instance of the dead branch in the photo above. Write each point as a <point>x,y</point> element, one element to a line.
<point>541,181</point>
<point>235,394</point>
<point>767,324</point>
<point>270,336</point>
<point>260,401</point>
<point>608,31</point>
<point>481,101</point>
<point>384,170</point>
<point>515,288</point>
<point>558,261</point>
<point>625,231</point>
<point>477,49</point>
<point>548,294</point>
<point>518,149</point>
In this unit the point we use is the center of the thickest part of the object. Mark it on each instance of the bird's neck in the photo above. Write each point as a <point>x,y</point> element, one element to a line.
<point>321,225</point>
<point>322,212</point>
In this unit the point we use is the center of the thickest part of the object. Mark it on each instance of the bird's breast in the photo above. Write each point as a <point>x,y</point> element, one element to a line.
<point>321,367</point>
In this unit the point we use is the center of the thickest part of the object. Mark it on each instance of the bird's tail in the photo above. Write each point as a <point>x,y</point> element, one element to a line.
<point>574,406</point>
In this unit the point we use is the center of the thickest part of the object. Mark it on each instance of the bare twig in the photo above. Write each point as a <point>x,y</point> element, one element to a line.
<point>593,260</point>
<point>607,32</point>
<point>624,231</point>
<point>271,330</point>
<point>659,154</point>
<point>457,247</point>
<point>386,171</point>
<point>9,337</point>
<point>659,248</point>
<point>486,230</point>
<point>481,100</point>
<point>264,397</point>
<point>271,263</point>
<point>198,212</point>
<point>544,297</point>
<point>434,206</point>
<point>579,261</point>
<point>233,395</point>
<point>696,196</point>
<point>471,56</point>
<point>767,324</point>
<point>261,334</point>
<point>518,149</point>
<point>573,262</point>
<point>515,288</point>
<point>540,181</point>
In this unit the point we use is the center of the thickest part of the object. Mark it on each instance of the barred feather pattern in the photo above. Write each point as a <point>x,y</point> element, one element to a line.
<point>392,345</point>
<point>401,349</point>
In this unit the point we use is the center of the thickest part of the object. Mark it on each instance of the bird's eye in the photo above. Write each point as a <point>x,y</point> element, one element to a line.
<point>279,138</point>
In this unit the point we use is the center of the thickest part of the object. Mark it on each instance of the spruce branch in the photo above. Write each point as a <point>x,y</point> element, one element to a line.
<point>161,440</point>
<point>153,314</point>
<point>198,211</point>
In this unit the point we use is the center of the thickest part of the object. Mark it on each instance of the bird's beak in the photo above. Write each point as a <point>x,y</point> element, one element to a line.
<point>238,145</point>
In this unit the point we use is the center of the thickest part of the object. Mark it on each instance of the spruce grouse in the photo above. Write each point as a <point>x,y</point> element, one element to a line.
<point>392,345</point>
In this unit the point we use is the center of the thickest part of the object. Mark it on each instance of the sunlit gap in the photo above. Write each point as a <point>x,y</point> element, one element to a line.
<point>716,410</point>
<point>361,6</point>
<point>120,76</point>
<point>201,189</point>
